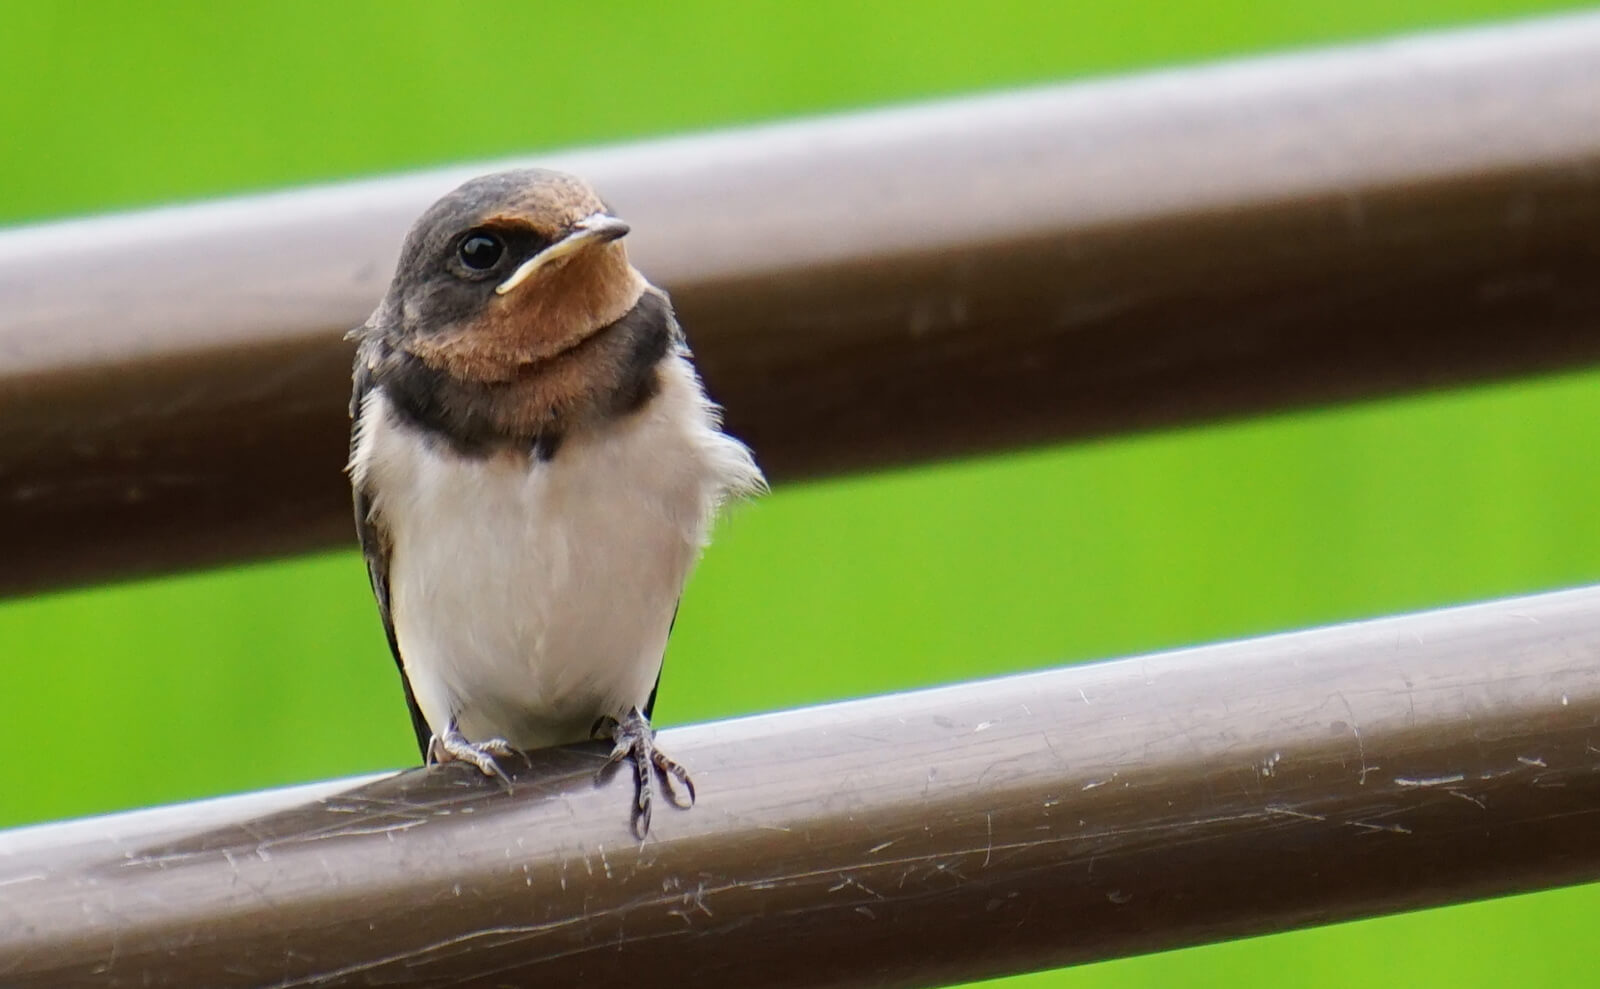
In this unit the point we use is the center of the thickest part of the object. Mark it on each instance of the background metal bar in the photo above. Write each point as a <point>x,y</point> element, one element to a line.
<point>863,290</point>
<point>914,839</point>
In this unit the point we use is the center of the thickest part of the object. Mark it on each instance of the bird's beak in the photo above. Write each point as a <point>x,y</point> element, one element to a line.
<point>596,228</point>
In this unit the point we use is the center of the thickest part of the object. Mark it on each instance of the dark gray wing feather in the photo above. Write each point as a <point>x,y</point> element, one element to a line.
<point>374,541</point>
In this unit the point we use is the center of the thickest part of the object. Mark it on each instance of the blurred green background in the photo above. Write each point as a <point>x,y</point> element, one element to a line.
<point>275,673</point>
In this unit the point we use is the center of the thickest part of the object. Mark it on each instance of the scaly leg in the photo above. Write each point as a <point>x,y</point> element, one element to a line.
<point>453,746</point>
<point>633,739</point>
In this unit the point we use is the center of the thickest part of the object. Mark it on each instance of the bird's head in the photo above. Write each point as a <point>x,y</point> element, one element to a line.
<point>506,271</point>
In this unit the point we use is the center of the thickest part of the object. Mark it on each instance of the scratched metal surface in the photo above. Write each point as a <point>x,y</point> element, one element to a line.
<point>906,840</point>
<point>873,288</point>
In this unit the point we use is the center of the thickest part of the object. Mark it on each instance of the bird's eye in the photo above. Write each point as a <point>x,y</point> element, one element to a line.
<point>481,250</point>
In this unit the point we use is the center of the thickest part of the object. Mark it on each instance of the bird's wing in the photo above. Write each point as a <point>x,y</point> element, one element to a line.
<point>650,705</point>
<point>375,546</point>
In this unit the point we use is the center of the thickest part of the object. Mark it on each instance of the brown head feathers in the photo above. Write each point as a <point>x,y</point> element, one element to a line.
<point>443,305</point>
<point>507,310</point>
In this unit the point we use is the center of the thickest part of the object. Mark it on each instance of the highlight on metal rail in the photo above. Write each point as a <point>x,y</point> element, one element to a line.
<point>864,290</point>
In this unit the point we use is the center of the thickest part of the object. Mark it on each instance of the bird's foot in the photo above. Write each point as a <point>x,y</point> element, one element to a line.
<point>633,739</point>
<point>453,746</point>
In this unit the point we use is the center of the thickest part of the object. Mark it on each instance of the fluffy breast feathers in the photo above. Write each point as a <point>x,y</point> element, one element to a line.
<point>528,597</point>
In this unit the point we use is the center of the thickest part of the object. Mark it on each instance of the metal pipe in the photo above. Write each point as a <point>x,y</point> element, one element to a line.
<point>921,838</point>
<point>868,289</point>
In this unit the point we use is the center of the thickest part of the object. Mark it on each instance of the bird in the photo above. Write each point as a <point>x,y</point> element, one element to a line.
<point>536,468</point>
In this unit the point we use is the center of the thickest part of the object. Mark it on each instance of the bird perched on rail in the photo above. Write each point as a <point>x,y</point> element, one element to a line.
<point>536,468</point>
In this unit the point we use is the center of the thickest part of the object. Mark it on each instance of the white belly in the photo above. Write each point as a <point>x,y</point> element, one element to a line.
<point>529,598</point>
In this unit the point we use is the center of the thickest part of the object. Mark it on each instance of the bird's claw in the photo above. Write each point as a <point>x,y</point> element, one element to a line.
<point>633,739</point>
<point>453,746</point>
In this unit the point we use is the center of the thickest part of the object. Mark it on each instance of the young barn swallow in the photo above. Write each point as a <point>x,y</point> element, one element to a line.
<point>536,468</point>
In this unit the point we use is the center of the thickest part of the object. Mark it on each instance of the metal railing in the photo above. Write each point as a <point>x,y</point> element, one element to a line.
<point>861,290</point>
<point>915,839</point>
